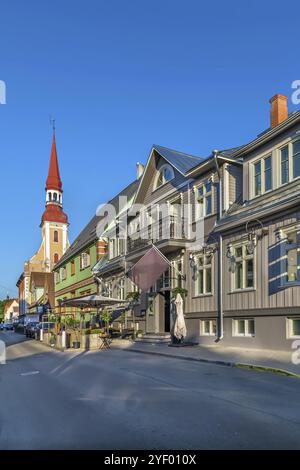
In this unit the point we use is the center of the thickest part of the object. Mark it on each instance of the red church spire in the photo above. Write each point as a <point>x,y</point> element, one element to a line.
<point>54,211</point>
<point>53,180</point>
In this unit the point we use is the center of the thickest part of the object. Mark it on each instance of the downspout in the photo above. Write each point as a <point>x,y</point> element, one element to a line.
<point>220,253</point>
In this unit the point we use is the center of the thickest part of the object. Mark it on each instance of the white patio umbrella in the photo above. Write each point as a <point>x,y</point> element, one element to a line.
<point>179,327</point>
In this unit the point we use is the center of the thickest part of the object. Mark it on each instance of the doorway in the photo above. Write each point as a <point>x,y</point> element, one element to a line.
<point>167,296</point>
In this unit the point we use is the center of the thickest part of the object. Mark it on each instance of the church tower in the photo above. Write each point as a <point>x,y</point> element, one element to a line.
<point>54,222</point>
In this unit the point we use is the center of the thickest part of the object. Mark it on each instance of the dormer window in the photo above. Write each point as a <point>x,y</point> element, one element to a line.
<point>165,175</point>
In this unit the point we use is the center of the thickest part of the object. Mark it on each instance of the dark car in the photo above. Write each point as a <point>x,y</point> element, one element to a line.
<point>8,326</point>
<point>30,329</point>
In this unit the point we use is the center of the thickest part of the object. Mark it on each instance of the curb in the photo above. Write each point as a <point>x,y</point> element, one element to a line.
<point>239,365</point>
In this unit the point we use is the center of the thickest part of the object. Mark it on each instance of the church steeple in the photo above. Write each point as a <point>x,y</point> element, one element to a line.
<point>53,180</point>
<point>54,212</point>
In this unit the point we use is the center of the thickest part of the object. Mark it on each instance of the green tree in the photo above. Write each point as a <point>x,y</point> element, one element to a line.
<point>2,305</point>
<point>106,317</point>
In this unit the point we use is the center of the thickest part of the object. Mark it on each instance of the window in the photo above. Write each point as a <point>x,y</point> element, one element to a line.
<point>49,197</point>
<point>176,270</point>
<point>292,257</point>
<point>257,178</point>
<point>263,175</point>
<point>56,258</point>
<point>84,259</point>
<point>296,158</point>
<point>204,200</point>
<point>293,327</point>
<point>55,236</point>
<point>208,327</point>
<point>204,275</point>
<point>268,173</point>
<point>243,327</point>
<point>57,277</point>
<point>244,268</point>
<point>121,289</point>
<point>63,273</point>
<point>72,267</point>
<point>55,196</point>
<point>165,175</point>
<point>284,156</point>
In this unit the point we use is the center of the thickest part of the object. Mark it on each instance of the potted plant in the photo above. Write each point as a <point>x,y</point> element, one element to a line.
<point>179,290</point>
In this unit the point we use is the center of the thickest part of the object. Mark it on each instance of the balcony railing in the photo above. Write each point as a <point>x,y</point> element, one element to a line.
<point>169,228</point>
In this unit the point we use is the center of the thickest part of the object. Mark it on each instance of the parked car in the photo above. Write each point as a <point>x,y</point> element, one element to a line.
<point>8,326</point>
<point>1,326</point>
<point>30,329</point>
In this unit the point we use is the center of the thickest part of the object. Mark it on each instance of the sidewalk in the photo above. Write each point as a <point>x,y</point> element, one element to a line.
<point>267,360</point>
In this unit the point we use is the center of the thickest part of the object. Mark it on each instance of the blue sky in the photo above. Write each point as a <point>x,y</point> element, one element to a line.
<point>119,76</point>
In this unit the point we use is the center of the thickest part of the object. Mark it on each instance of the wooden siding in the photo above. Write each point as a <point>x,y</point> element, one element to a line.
<point>265,295</point>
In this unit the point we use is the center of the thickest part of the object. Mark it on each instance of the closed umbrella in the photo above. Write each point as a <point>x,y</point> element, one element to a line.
<point>179,327</point>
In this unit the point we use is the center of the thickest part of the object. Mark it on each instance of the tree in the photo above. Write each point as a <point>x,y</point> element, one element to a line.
<point>105,316</point>
<point>2,305</point>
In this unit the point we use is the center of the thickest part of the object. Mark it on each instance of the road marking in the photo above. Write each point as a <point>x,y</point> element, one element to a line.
<point>34,372</point>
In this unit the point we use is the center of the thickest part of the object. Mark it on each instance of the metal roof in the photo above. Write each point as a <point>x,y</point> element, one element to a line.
<point>183,162</point>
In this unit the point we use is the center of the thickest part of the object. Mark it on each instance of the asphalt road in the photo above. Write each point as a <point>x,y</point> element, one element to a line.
<point>124,400</point>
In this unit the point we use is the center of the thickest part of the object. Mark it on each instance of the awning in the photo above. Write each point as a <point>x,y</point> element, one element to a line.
<point>92,301</point>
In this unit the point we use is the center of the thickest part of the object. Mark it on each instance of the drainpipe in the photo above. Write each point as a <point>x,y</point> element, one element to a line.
<point>220,253</point>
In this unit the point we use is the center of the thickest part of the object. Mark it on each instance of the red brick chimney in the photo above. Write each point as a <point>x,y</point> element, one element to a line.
<point>279,110</point>
<point>101,249</point>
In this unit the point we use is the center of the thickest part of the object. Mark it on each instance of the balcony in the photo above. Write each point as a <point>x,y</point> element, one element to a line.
<point>168,230</point>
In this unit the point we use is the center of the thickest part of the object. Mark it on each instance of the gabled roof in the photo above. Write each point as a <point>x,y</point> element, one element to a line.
<point>183,162</point>
<point>89,234</point>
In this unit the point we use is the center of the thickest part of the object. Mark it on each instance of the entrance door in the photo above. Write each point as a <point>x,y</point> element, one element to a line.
<point>167,311</point>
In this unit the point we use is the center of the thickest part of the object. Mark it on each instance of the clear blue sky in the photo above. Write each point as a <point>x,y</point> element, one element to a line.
<point>119,76</point>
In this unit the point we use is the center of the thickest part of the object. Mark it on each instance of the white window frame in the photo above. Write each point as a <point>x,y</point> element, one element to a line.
<point>177,266</point>
<point>204,267</point>
<point>235,332</point>
<point>244,258</point>
<point>286,232</point>
<point>160,171</point>
<point>121,289</point>
<point>211,327</point>
<point>85,260</point>
<point>63,273</point>
<point>289,328</point>
<point>262,160</point>
<point>201,209</point>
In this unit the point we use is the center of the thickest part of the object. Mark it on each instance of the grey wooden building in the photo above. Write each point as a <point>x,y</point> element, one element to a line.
<point>242,272</point>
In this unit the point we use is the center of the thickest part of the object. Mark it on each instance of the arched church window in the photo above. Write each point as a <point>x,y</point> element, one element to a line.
<point>55,197</point>
<point>55,236</point>
<point>49,196</point>
<point>56,258</point>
